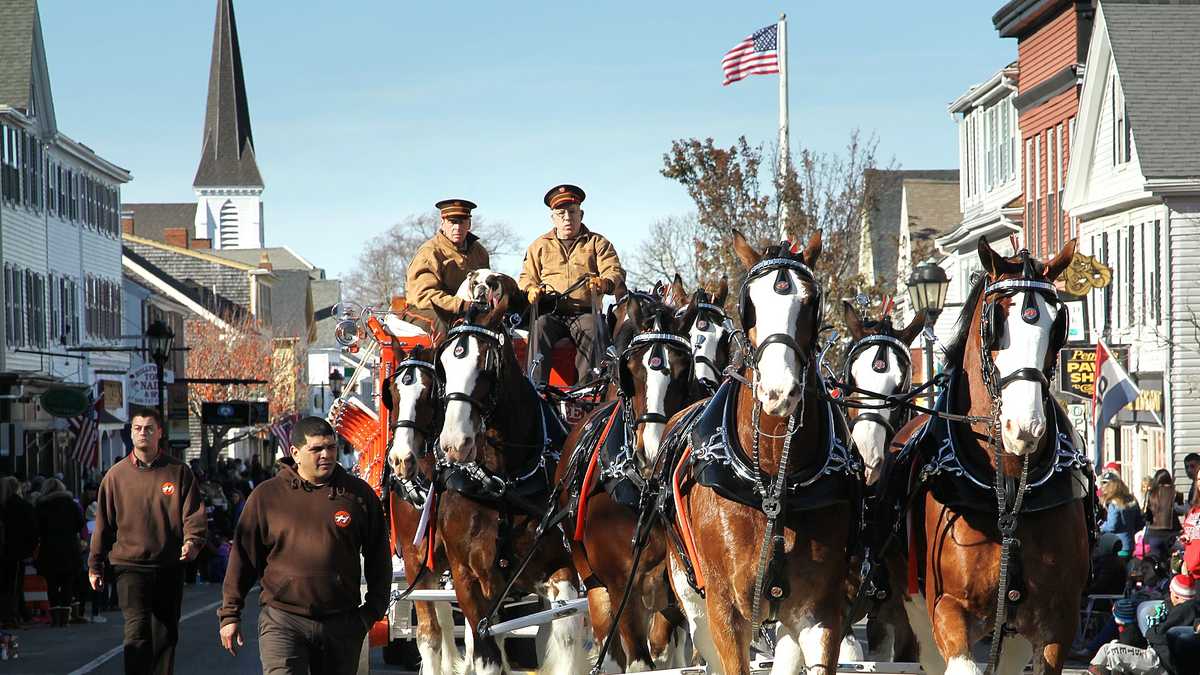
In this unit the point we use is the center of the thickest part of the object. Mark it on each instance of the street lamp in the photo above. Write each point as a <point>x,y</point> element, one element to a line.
<point>159,338</point>
<point>335,381</point>
<point>927,286</point>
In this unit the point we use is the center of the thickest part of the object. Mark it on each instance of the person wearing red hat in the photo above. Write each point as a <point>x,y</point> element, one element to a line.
<point>573,263</point>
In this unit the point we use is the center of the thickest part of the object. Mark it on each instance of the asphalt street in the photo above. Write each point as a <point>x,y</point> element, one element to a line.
<point>96,647</point>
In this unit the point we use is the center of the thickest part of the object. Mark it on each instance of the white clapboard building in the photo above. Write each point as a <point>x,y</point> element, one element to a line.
<point>1134,187</point>
<point>60,243</point>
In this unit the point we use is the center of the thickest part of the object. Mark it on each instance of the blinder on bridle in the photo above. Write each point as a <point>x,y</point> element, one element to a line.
<point>407,370</point>
<point>708,316</point>
<point>993,317</point>
<point>883,343</point>
<point>456,340</point>
<point>660,342</point>
<point>783,286</point>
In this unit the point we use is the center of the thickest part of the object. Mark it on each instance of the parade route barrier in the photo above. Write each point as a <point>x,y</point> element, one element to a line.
<point>37,596</point>
<point>559,611</point>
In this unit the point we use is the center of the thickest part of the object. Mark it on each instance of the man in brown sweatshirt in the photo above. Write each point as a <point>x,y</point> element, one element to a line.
<point>302,533</point>
<point>150,519</point>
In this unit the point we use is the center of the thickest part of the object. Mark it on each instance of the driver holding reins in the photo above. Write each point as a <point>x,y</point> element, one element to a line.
<point>573,262</point>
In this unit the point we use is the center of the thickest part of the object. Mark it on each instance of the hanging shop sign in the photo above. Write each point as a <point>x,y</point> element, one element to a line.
<point>1147,408</point>
<point>1077,369</point>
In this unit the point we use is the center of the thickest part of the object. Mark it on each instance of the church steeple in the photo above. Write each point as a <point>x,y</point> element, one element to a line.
<point>228,185</point>
<point>227,154</point>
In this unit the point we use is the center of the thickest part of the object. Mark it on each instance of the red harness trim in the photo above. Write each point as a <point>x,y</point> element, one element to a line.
<point>682,517</point>
<point>431,532</point>
<point>590,476</point>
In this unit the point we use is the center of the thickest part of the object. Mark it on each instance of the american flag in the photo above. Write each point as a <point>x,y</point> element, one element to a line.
<point>282,428</point>
<point>86,450</point>
<point>758,54</point>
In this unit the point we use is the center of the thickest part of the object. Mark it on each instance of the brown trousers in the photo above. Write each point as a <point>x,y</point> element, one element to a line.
<point>290,644</point>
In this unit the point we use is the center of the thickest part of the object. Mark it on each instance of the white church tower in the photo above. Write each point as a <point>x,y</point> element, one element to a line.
<point>228,185</point>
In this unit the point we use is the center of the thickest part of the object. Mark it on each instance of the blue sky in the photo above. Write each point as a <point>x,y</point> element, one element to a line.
<point>368,111</point>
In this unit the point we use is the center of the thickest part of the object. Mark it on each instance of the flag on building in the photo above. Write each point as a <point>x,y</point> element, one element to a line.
<point>282,429</point>
<point>86,449</point>
<point>1114,389</point>
<point>758,54</point>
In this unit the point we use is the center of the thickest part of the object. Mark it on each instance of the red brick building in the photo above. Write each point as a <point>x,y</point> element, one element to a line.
<point>1052,41</point>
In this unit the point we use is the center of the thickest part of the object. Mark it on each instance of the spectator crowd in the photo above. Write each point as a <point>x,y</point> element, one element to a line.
<point>46,527</point>
<point>1146,563</point>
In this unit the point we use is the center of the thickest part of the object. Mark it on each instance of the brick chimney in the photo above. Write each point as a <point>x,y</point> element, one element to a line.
<point>264,262</point>
<point>176,236</point>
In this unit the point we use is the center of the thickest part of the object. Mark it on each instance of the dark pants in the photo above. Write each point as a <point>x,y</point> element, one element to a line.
<point>12,577</point>
<point>580,328</point>
<point>298,645</point>
<point>151,600</point>
<point>1184,646</point>
<point>60,589</point>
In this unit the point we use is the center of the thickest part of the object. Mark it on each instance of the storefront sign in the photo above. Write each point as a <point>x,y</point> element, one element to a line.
<point>63,401</point>
<point>143,384</point>
<point>113,392</point>
<point>1077,369</point>
<point>1146,408</point>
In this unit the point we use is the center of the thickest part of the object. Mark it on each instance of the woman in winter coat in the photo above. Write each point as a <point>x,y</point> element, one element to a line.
<point>1162,522</point>
<point>1124,517</point>
<point>20,540</point>
<point>59,557</point>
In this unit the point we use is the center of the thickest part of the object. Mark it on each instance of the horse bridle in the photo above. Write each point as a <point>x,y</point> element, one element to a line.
<point>885,343</point>
<point>991,323</point>
<point>491,343</point>
<point>406,370</point>
<point>782,286</point>
<point>659,341</point>
<point>708,313</point>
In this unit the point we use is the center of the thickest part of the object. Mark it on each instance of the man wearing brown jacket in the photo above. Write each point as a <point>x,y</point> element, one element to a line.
<point>441,265</point>
<point>570,257</point>
<point>150,519</point>
<point>302,533</point>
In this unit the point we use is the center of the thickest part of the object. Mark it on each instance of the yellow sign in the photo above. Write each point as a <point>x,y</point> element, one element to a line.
<point>1085,273</point>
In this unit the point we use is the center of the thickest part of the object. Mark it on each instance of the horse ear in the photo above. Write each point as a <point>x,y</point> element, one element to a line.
<point>745,252</point>
<point>683,322</point>
<point>993,262</point>
<point>722,292</point>
<point>1055,266</point>
<point>853,320</point>
<point>633,313</point>
<point>813,250</point>
<point>913,329</point>
<point>678,297</point>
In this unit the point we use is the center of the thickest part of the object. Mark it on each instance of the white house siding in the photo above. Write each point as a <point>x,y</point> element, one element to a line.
<point>1184,383</point>
<point>25,246</point>
<point>1106,180</point>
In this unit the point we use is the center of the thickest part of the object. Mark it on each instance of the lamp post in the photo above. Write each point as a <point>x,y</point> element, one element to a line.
<point>927,286</point>
<point>335,381</point>
<point>159,338</point>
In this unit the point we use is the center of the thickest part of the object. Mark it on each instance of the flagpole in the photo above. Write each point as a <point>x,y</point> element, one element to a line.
<point>783,119</point>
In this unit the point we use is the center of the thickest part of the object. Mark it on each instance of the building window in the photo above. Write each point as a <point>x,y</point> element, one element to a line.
<point>13,323</point>
<point>229,225</point>
<point>1130,275</point>
<point>1106,327</point>
<point>1122,138</point>
<point>1031,233</point>
<point>1156,276</point>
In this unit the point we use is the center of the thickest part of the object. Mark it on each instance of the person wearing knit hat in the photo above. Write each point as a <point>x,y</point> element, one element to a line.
<point>1170,632</point>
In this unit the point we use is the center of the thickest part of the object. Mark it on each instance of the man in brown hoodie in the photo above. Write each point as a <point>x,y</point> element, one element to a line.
<point>150,519</point>
<point>302,533</point>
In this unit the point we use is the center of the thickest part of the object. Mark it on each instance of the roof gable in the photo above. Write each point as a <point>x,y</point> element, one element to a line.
<point>1154,46</point>
<point>24,75</point>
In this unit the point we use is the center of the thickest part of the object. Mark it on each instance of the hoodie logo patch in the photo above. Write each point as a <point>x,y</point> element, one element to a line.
<point>168,488</point>
<point>342,519</point>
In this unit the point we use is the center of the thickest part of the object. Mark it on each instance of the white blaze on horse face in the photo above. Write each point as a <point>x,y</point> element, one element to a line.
<point>403,451</point>
<point>1023,345</point>
<point>657,382</point>
<point>458,429</point>
<point>705,343</point>
<point>871,437</point>
<point>778,375</point>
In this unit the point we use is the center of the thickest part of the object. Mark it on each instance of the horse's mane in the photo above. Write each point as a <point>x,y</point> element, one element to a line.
<point>957,346</point>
